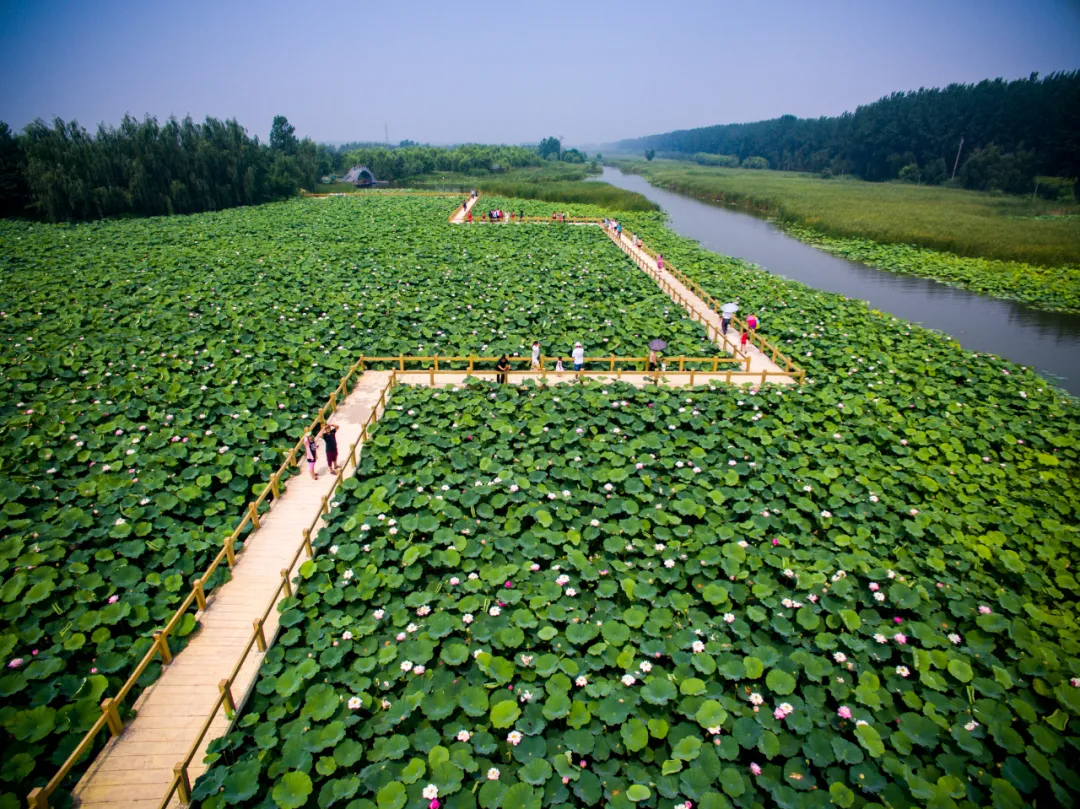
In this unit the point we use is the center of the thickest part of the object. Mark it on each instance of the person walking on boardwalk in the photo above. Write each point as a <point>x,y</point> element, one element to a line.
<point>618,229</point>
<point>501,367</point>
<point>659,261</point>
<point>311,450</point>
<point>578,355</point>
<point>559,366</point>
<point>535,363</point>
<point>743,338</point>
<point>468,217</point>
<point>752,323</point>
<point>726,311</point>
<point>653,358</point>
<point>329,437</point>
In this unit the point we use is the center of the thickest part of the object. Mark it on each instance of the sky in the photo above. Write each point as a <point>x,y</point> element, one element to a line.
<point>506,72</point>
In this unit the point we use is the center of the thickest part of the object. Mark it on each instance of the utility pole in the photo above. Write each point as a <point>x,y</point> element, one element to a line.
<point>386,131</point>
<point>957,163</point>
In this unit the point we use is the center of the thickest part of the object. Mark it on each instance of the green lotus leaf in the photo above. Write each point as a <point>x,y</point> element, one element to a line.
<point>638,792</point>
<point>780,682</point>
<point>292,790</point>
<point>391,796</point>
<point>711,714</point>
<point>505,714</point>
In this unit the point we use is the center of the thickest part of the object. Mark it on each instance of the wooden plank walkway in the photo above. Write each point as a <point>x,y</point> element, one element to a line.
<point>135,769</point>
<point>759,361</point>
<point>639,379</point>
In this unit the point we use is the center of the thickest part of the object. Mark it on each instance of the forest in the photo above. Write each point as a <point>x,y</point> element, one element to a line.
<point>61,172</point>
<point>1012,131</point>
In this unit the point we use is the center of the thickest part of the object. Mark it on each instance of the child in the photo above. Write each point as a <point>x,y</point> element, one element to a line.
<point>329,437</point>
<point>559,366</point>
<point>312,453</point>
<point>743,338</point>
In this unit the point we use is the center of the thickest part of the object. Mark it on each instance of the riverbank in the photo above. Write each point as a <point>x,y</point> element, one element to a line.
<point>992,245</point>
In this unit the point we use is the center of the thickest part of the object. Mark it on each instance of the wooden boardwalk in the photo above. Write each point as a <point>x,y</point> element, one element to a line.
<point>678,291</point>
<point>135,769</point>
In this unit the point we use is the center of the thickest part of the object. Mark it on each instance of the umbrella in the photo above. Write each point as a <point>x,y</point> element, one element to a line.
<point>658,345</point>
<point>729,308</point>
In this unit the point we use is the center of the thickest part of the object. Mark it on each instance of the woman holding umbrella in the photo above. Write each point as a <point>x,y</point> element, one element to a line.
<point>726,311</point>
<point>655,346</point>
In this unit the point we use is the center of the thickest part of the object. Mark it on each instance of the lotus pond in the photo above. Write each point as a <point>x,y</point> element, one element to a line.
<point>155,371</point>
<point>595,595</point>
<point>228,330</point>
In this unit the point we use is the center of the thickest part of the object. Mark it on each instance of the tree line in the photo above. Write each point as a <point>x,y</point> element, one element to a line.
<point>1011,130</point>
<point>61,172</point>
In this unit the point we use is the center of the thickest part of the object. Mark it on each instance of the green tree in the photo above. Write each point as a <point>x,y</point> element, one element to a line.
<point>910,173</point>
<point>755,162</point>
<point>283,136</point>
<point>14,195</point>
<point>548,147</point>
<point>650,154</point>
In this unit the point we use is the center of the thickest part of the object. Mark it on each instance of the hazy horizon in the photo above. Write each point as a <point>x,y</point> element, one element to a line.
<point>342,74</point>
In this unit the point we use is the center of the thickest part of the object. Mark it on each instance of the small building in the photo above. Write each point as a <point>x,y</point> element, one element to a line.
<point>360,176</point>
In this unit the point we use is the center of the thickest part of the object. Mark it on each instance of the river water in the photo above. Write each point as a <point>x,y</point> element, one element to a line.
<point>1047,341</point>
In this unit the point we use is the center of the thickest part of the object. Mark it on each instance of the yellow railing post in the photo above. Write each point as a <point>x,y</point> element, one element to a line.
<point>230,552</point>
<point>112,716</point>
<point>275,485</point>
<point>285,582</point>
<point>37,799</point>
<point>161,640</point>
<point>183,783</point>
<point>200,593</point>
<point>307,543</point>
<point>254,513</point>
<point>260,636</point>
<point>226,692</point>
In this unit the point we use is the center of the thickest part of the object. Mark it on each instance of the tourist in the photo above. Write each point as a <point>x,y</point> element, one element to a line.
<point>559,366</point>
<point>579,357</point>
<point>653,358</point>
<point>502,366</point>
<point>468,217</point>
<point>743,338</point>
<point>535,363</point>
<point>312,453</point>
<point>725,317</point>
<point>618,229</point>
<point>521,214</point>
<point>659,261</point>
<point>329,437</point>
<point>751,323</point>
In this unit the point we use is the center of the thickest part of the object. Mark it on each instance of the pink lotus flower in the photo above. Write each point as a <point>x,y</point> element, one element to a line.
<point>898,620</point>
<point>113,599</point>
<point>900,638</point>
<point>984,610</point>
<point>755,769</point>
<point>844,712</point>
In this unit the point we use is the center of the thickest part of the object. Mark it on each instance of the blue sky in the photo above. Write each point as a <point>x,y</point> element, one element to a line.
<point>507,71</point>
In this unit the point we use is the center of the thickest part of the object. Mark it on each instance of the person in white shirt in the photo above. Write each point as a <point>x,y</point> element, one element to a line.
<point>536,356</point>
<point>579,357</point>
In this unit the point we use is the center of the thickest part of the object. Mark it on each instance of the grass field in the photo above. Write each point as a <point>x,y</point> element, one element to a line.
<point>967,223</point>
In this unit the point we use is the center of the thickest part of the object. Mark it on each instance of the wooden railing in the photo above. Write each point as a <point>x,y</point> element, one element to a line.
<point>110,707</point>
<point>227,699</point>
<point>767,348</point>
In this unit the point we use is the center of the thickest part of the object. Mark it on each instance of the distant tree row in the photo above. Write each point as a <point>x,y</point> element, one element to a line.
<point>1012,130</point>
<point>143,168</point>
<point>62,172</point>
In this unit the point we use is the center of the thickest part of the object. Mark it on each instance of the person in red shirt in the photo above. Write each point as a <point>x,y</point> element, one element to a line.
<point>743,338</point>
